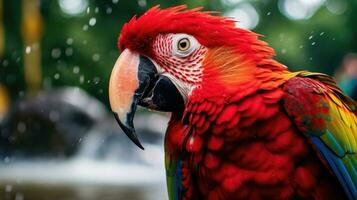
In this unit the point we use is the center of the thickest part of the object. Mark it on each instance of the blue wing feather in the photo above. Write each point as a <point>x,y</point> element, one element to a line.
<point>337,167</point>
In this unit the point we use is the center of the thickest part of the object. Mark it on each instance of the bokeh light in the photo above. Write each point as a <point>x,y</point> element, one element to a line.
<point>337,7</point>
<point>73,7</point>
<point>299,9</point>
<point>245,14</point>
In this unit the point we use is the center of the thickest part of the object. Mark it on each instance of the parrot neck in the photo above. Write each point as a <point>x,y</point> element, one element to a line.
<point>228,80</point>
<point>229,73</point>
<point>240,83</point>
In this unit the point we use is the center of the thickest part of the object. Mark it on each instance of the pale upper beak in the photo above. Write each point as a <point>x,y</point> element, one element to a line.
<point>135,81</point>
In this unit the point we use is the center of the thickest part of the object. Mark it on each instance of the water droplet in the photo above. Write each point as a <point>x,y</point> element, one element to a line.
<point>21,127</point>
<point>7,159</point>
<point>5,63</point>
<point>96,10</point>
<point>92,21</point>
<point>313,43</point>
<point>311,37</point>
<point>69,41</point>
<point>19,196</point>
<point>322,33</point>
<point>115,1</point>
<point>76,70</point>
<point>96,57</point>
<point>142,3</point>
<point>57,76</point>
<point>88,10</point>
<point>8,188</point>
<point>301,46</point>
<point>56,53</point>
<point>108,10</point>
<point>21,93</point>
<point>28,50</point>
<point>96,80</point>
<point>81,79</point>
<point>269,13</point>
<point>69,51</point>
<point>85,27</point>
<point>310,58</point>
<point>283,51</point>
<point>54,115</point>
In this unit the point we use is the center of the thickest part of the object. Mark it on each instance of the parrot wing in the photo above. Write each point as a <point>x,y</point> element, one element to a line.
<point>329,119</point>
<point>177,176</point>
<point>174,178</point>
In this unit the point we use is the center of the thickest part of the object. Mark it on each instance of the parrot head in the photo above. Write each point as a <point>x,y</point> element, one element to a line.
<point>169,55</point>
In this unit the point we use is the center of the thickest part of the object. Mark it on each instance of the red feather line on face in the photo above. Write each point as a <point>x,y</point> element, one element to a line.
<point>211,31</point>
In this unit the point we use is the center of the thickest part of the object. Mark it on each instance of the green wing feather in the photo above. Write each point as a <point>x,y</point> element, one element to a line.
<point>329,119</point>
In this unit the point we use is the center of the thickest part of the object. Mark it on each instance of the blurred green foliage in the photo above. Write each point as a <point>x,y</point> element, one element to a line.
<point>77,54</point>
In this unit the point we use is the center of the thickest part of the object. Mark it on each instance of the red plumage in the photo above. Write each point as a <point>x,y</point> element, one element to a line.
<point>138,34</point>
<point>235,139</point>
<point>267,159</point>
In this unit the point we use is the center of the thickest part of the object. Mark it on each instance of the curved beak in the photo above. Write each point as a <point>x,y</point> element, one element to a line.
<point>135,81</point>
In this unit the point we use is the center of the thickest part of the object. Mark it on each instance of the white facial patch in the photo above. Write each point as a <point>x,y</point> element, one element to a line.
<point>179,57</point>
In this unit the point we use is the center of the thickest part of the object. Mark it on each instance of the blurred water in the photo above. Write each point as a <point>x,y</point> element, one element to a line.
<point>104,163</point>
<point>106,166</point>
<point>80,179</point>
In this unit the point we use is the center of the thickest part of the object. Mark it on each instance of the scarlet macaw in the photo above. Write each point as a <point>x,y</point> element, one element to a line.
<point>242,125</point>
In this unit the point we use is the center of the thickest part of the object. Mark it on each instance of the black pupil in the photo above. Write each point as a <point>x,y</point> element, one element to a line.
<point>183,44</point>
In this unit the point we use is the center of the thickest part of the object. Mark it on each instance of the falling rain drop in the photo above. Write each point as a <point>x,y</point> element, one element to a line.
<point>56,53</point>
<point>96,80</point>
<point>108,10</point>
<point>96,57</point>
<point>5,63</point>
<point>69,52</point>
<point>311,37</point>
<point>21,127</point>
<point>8,188</point>
<point>21,93</point>
<point>28,50</point>
<point>92,21</point>
<point>7,159</point>
<point>57,76</point>
<point>115,1</point>
<point>54,115</point>
<point>142,3</point>
<point>76,70</point>
<point>81,79</point>
<point>313,43</point>
<point>96,10</point>
<point>69,41</point>
<point>85,27</point>
<point>19,196</point>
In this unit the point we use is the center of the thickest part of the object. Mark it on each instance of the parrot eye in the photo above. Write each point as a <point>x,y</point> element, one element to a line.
<point>183,45</point>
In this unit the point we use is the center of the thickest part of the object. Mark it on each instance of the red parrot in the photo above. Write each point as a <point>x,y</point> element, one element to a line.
<point>242,125</point>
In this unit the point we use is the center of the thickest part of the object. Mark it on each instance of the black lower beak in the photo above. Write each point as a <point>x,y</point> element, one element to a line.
<point>153,91</point>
